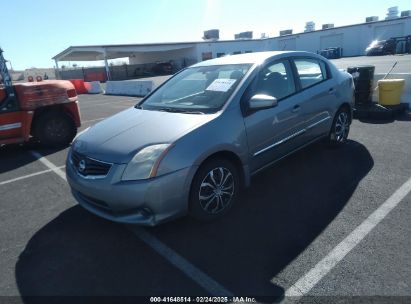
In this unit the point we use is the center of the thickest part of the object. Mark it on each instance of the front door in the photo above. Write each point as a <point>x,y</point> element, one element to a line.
<point>273,133</point>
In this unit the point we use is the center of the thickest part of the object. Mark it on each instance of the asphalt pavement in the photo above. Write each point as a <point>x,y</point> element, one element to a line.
<point>382,63</point>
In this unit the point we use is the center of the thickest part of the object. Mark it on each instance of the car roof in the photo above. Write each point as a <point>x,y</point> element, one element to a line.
<point>251,58</point>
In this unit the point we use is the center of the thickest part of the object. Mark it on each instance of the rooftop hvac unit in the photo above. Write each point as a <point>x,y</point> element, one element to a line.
<point>286,32</point>
<point>392,13</point>
<point>371,19</point>
<point>309,26</point>
<point>405,13</point>
<point>211,35</point>
<point>328,26</point>
<point>264,36</point>
<point>244,35</point>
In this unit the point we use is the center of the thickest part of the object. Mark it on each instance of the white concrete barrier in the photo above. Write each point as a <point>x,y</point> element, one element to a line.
<point>406,93</point>
<point>129,87</point>
<point>94,87</point>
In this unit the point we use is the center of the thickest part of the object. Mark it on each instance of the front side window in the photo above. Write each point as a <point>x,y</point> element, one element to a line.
<point>276,80</point>
<point>310,72</point>
<point>198,89</point>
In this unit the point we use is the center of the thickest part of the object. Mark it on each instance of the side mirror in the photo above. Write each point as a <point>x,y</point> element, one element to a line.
<point>261,101</point>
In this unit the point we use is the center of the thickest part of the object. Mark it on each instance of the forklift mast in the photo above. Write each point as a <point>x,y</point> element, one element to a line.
<point>10,101</point>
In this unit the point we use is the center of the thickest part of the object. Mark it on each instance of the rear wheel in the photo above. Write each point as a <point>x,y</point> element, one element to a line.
<point>340,127</point>
<point>55,129</point>
<point>214,189</point>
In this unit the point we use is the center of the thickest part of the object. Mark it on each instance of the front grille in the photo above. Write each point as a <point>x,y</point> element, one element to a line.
<point>86,166</point>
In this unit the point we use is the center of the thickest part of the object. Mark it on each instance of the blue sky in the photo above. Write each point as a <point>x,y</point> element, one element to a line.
<point>32,32</point>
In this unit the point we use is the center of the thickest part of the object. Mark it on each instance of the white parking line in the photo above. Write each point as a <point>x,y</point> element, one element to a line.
<point>179,262</point>
<point>311,278</point>
<point>28,176</point>
<point>170,255</point>
<point>49,164</point>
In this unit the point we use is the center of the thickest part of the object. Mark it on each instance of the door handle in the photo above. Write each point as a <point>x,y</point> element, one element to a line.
<point>331,91</point>
<point>296,108</point>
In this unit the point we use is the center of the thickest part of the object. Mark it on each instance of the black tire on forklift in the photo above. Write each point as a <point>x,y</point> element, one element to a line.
<point>55,129</point>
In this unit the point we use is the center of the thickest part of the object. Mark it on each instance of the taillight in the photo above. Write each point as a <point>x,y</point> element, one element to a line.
<point>71,93</point>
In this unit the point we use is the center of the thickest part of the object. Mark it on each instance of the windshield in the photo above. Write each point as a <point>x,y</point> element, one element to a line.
<point>377,43</point>
<point>197,90</point>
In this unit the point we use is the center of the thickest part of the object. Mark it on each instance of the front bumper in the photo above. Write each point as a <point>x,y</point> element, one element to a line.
<point>145,202</point>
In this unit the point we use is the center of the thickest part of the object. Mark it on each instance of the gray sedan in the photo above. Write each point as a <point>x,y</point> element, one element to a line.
<point>192,144</point>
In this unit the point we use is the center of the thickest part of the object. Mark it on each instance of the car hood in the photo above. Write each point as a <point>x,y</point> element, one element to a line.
<point>119,137</point>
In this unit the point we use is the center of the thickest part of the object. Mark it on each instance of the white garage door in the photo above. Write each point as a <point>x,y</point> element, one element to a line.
<point>287,44</point>
<point>331,41</point>
<point>387,31</point>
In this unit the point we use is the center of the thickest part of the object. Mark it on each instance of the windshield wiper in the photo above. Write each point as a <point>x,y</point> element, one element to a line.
<point>176,110</point>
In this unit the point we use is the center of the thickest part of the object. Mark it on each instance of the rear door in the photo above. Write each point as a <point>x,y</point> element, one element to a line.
<point>274,132</point>
<point>317,94</point>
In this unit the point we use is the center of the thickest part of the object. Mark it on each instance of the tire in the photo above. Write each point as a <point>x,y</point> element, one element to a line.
<point>340,128</point>
<point>214,190</point>
<point>55,129</point>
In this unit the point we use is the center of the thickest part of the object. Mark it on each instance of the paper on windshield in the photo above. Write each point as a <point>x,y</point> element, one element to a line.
<point>221,85</point>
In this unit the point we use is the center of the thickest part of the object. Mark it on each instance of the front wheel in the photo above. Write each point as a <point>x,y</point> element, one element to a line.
<point>214,190</point>
<point>340,128</point>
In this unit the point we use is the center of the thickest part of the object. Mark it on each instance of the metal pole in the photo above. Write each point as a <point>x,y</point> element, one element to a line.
<point>106,65</point>
<point>57,69</point>
<point>392,68</point>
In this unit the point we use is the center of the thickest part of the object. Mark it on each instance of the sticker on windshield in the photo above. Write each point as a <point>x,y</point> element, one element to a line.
<point>221,85</point>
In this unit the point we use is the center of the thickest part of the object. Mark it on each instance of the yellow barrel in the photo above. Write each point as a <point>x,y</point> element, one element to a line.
<point>390,91</point>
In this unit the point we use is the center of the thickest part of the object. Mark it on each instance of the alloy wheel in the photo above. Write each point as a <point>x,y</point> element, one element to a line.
<point>216,190</point>
<point>341,127</point>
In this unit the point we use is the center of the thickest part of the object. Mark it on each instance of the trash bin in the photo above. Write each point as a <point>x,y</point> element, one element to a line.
<point>363,76</point>
<point>390,91</point>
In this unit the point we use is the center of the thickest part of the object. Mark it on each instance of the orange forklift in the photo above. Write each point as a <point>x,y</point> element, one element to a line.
<point>46,111</point>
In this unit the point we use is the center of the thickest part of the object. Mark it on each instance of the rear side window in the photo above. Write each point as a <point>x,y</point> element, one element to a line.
<point>310,72</point>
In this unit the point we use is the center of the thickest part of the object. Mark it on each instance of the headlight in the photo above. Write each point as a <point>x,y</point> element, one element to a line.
<point>145,163</point>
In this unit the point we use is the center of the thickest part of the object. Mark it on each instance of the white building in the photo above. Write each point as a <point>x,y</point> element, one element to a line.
<point>353,39</point>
